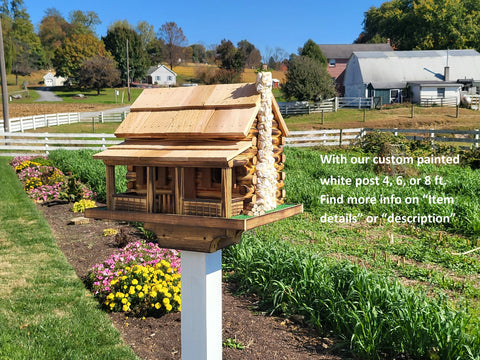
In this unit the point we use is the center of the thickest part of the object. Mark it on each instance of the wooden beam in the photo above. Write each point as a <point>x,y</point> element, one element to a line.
<point>226,205</point>
<point>110,185</point>
<point>179,190</point>
<point>150,189</point>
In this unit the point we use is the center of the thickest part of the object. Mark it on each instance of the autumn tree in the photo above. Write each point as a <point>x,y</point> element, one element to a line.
<point>174,39</point>
<point>98,73</point>
<point>52,31</point>
<point>116,42</point>
<point>307,80</point>
<point>75,49</point>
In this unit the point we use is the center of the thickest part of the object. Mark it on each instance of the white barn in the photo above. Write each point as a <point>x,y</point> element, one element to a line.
<point>427,73</point>
<point>161,75</point>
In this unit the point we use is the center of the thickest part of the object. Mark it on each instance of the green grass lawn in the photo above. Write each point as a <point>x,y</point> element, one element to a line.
<point>45,310</point>
<point>107,96</point>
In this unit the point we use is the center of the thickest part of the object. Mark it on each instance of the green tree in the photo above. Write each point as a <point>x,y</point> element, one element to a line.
<point>98,73</point>
<point>424,24</point>
<point>199,53</point>
<point>76,48</point>
<point>84,22</point>
<point>27,52</point>
<point>116,42</point>
<point>251,55</point>
<point>313,51</point>
<point>230,58</point>
<point>174,39</point>
<point>307,80</point>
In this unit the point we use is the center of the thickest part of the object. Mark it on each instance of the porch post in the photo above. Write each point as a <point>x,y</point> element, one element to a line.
<point>110,185</point>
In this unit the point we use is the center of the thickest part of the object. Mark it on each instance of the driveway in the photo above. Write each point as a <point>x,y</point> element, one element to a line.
<point>47,95</point>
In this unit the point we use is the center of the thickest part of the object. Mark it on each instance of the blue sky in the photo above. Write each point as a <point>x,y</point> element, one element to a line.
<point>267,25</point>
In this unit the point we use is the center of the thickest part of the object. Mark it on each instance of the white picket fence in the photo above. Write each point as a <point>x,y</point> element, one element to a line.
<point>15,143</point>
<point>21,124</point>
<point>345,137</point>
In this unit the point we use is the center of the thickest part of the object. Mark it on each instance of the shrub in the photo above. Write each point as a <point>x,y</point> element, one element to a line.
<point>88,170</point>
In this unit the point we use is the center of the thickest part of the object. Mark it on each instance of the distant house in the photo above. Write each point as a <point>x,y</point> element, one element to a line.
<point>161,75</point>
<point>338,54</point>
<point>51,80</point>
<point>391,75</point>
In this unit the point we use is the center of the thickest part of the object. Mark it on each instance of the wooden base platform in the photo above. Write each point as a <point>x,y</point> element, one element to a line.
<point>197,233</point>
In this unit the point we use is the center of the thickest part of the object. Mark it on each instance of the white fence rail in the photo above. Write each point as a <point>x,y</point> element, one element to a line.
<point>21,124</point>
<point>14,143</point>
<point>341,137</point>
<point>328,105</point>
<point>334,137</point>
<point>427,101</point>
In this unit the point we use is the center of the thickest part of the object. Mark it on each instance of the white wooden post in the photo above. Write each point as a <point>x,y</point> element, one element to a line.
<point>201,305</point>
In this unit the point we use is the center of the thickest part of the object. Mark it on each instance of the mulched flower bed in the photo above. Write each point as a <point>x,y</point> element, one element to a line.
<point>263,337</point>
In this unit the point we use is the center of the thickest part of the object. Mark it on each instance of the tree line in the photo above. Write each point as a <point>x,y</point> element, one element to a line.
<point>72,48</point>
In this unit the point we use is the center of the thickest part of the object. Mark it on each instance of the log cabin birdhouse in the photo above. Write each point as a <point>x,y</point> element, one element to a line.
<point>204,164</point>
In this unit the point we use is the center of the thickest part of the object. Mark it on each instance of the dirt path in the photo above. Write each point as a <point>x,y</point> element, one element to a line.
<point>47,95</point>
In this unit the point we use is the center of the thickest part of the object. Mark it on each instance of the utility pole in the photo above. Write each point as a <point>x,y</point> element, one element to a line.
<point>128,75</point>
<point>3,73</point>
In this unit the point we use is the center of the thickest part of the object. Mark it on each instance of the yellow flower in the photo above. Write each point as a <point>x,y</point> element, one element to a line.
<point>138,287</point>
<point>166,301</point>
<point>110,296</point>
<point>153,294</point>
<point>141,295</point>
<point>134,282</point>
<point>124,301</point>
<point>168,307</point>
<point>158,306</point>
<point>125,307</point>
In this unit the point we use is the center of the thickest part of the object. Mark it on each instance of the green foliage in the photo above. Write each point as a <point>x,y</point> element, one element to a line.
<point>89,171</point>
<point>376,317</point>
<point>116,43</point>
<point>313,51</point>
<point>305,169</point>
<point>233,344</point>
<point>307,80</point>
<point>432,24</point>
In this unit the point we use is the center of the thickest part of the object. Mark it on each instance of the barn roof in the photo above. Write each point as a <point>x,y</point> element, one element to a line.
<point>344,51</point>
<point>224,111</point>
<point>381,67</point>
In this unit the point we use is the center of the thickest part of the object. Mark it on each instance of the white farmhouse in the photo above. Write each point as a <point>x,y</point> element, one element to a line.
<point>51,80</point>
<point>426,74</point>
<point>161,75</point>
